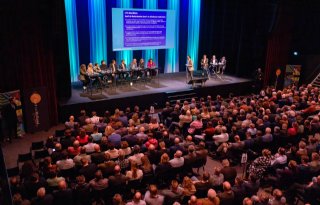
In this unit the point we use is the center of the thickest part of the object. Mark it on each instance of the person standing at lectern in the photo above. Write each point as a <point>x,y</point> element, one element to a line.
<point>190,67</point>
<point>10,118</point>
<point>258,80</point>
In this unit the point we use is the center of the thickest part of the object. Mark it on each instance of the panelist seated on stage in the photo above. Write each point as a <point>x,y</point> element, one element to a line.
<point>135,69</point>
<point>222,65</point>
<point>122,66</point>
<point>134,65</point>
<point>94,75</point>
<point>112,67</point>
<point>103,65</point>
<point>141,64</point>
<point>83,76</point>
<point>151,67</point>
<point>90,70</point>
<point>122,69</point>
<point>96,68</point>
<point>213,64</point>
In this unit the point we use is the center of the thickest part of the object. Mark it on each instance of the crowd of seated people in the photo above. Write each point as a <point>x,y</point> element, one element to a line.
<point>131,157</point>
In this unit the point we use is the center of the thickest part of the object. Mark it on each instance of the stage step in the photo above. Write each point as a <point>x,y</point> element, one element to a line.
<point>316,81</point>
<point>186,95</point>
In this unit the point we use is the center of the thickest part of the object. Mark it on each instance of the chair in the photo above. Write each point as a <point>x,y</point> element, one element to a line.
<point>200,163</point>
<point>147,179</point>
<point>59,133</point>
<point>68,173</point>
<point>41,154</point>
<point>37,145</point>
<point>185,128</point>
<point>13,172</point>
<point>134,185</point>
<point>24,157</point>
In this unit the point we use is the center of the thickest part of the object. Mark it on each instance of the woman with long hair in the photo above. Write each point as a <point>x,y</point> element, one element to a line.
<point>134,173</point>
<point>188,187</point>
<point>146,165</point>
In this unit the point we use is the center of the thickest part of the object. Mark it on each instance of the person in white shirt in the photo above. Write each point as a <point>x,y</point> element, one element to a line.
<point>152,197</point>
<point>90,146</point>
<point>134,173</point>
<point>113,152</point>
<point>136,157</point>
<point>280,158</point>
<point>137,200</point>
<point>65,163</point>
<point>178,160</point>
<point>252,130</point>
<point>223,137</point>
<point>94,119</point>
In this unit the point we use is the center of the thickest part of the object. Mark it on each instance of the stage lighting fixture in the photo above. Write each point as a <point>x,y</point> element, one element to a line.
<point>295,53</point>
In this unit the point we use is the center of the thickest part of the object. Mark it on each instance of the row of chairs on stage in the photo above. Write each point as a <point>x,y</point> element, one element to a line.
<point>106,79</point>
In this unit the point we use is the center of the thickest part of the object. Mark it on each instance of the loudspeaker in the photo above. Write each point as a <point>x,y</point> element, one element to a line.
<point>36,109</point>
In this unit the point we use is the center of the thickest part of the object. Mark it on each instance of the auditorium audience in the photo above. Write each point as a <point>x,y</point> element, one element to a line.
<point>100,158</point>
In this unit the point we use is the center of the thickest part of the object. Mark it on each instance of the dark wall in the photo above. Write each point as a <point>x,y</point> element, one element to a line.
<point>34,50</point>
<point>237,29</point>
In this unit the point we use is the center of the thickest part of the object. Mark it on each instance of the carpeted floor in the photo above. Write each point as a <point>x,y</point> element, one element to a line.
<point>21,146</point>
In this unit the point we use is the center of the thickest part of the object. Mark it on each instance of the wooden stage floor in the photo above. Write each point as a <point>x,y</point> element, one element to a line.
<point>173,82</point>
<point>156,93</point>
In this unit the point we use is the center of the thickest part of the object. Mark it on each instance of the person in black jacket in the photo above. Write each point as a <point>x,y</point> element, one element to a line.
<point>63,196</point>
<point>10,119</point>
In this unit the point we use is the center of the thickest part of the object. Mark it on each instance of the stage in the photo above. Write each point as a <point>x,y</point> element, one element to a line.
<point>166,87</point>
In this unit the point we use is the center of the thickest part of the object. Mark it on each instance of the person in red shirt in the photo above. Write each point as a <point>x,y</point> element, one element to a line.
<point>75,149</point>
<point>82,137</point>
<point>151,67</point>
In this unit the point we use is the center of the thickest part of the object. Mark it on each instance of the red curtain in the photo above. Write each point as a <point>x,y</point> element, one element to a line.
<point>28,57</point>
<point>279,43</point>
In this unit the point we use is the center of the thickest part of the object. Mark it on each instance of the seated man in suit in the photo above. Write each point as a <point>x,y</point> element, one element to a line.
<point>227,196</point>
<point>122,70</point>
<point>103,65</point>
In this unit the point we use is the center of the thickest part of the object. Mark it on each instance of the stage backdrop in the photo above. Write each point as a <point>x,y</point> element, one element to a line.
<point>88,21</point>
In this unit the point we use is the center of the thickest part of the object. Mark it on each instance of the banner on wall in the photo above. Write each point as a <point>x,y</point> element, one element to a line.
<point>4,100</point>
<point>292,75</point>
<point>36,109</point>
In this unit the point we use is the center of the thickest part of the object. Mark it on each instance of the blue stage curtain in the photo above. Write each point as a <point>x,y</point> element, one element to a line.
<point>172,54</point>
<point>98,30</point>
<point>147,54</point>
<point>72,30</point>
<point>193,31</point>
<point>124,55</point>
